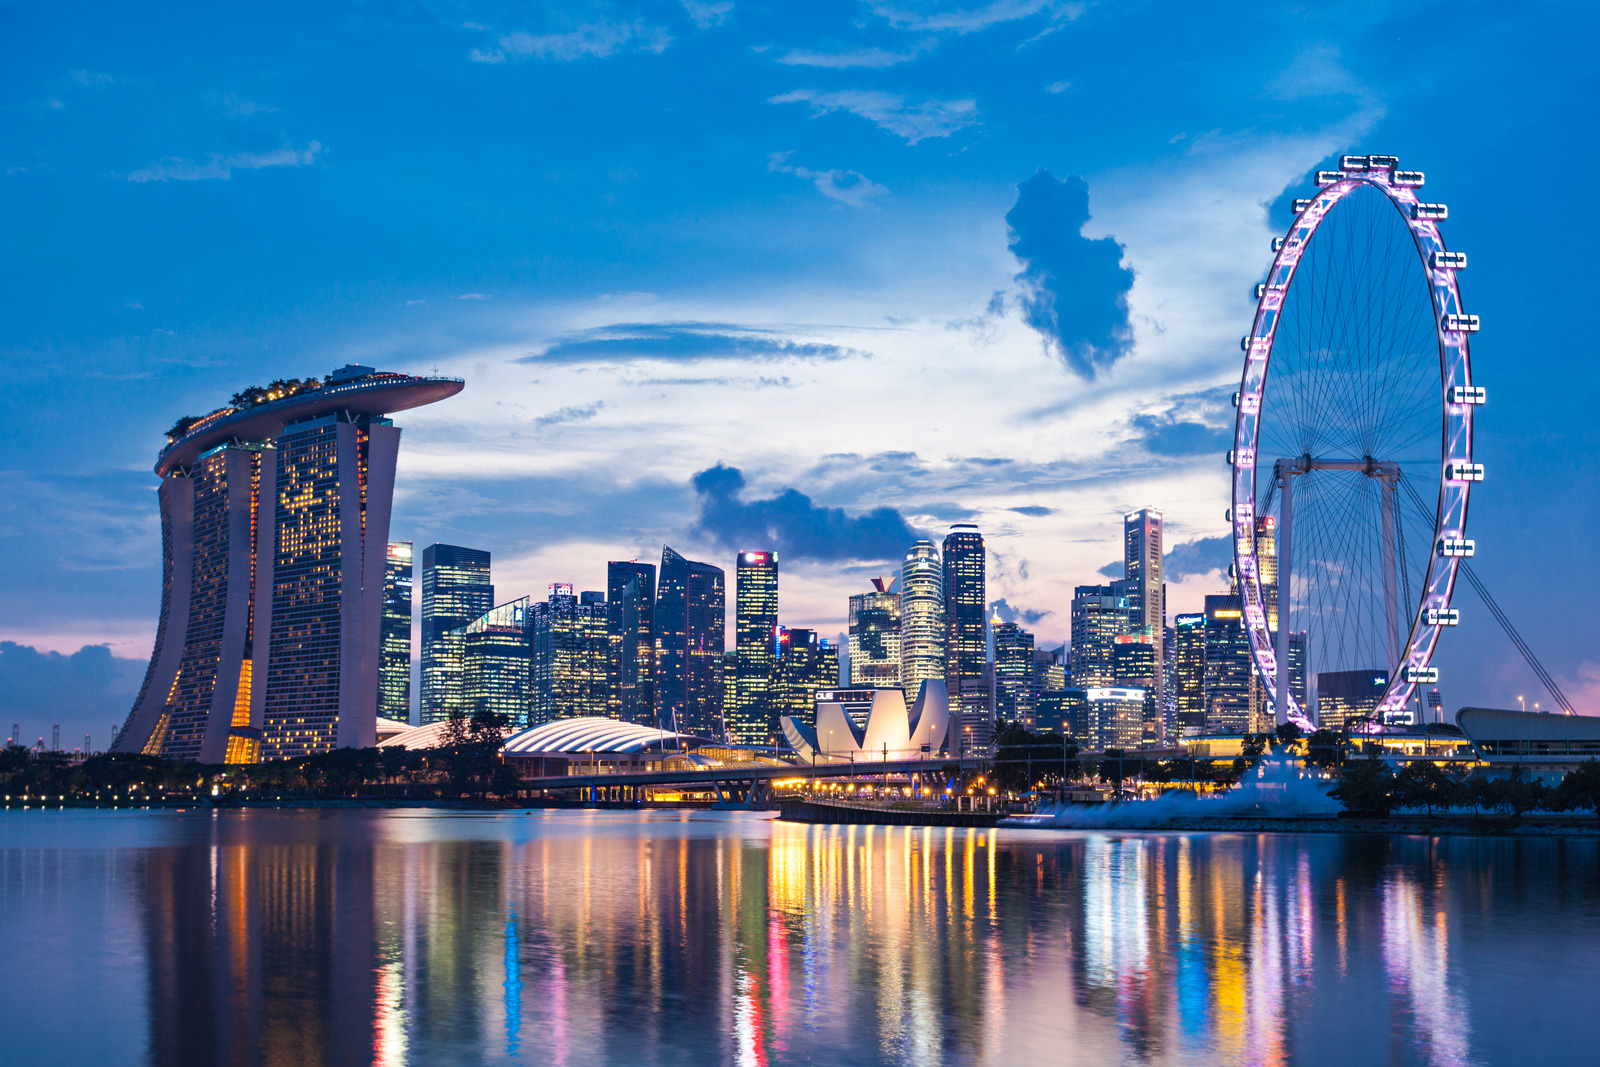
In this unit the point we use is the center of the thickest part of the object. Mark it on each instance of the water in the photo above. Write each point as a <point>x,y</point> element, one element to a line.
<point>572,938</point>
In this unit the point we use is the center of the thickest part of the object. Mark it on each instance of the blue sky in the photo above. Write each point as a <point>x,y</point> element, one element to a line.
<point>656,238</point>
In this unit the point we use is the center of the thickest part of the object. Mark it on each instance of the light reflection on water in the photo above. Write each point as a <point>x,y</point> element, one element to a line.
<point>577,938</point>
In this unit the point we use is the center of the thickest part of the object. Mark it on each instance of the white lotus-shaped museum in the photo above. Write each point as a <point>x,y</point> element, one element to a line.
<point>892,731</point>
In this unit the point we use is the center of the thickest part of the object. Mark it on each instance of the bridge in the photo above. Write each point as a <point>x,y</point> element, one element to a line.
<point>750,783</point>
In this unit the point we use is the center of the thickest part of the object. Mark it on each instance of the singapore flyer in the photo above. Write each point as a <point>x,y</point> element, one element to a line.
<point>1352,460</point>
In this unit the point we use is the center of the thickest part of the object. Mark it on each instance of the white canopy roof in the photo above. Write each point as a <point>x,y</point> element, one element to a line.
<point>592,734</point>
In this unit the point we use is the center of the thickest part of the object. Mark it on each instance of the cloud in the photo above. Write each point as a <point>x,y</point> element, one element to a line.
<point>1167,436</point>
<point>1057,87</point>
<point>626,342</point>
<point>1197,558</point>
<point>845,186</point>
<point>971,20</point>
<point>844,57</point>
<point>85,692</point>
<point>1117,569</point>
<point>707,15</point>
<point>1075,290</point>
<point>892,112</point>
<point>569,414</point>
<point>222,167</point>
<point>732,382</point>
<point>792,525</point>
<point>1033,510</point>
<point>1008,613</point>
<point>593,41</point>
<point>471,296</point>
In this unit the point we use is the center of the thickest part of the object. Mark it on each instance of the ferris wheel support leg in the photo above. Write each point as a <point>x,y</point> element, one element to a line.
<point>1388,501</point>
<point>1285,587</point>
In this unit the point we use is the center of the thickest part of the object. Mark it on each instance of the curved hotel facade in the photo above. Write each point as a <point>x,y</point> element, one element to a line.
<point>275,534</point>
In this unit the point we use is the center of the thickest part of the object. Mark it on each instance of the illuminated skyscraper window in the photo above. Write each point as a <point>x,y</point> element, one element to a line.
<point>966,650</point>
<point>750,715</point>
<point>630,622</point>
<point>394,669</point>
<point>922,625</point>
<point>275,520</point>
<point>495,654</point>
<point>690,625</point>
<point>455,590</point>
<point>875,637</point>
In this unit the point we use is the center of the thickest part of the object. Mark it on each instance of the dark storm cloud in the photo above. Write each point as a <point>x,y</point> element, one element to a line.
<point>1074,289</point>
<point>85,692</point>
<point>626,342</point>
<point>792,525</point>
<point>1008,613</point>
<point>1197,558</point>
<point>1165,435</point>
<point>1033,510</point>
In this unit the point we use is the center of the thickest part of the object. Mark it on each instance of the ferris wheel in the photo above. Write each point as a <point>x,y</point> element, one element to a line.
<point>1352,458</point>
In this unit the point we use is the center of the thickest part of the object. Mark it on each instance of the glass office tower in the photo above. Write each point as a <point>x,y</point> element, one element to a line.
<point>691,619</point>
<point>966,649</point>
<point>455,590</point>
<point>630,623</point>
<point>875,637</point>
<point>496,658</point>
<point>394,666</point>
<point>922,626</point>
<point>749,709</point>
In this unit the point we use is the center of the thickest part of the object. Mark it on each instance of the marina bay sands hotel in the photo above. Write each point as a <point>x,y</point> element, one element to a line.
<point>274,535</point>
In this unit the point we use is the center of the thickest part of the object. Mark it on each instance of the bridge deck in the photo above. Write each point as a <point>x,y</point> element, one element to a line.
<point>736,773</point>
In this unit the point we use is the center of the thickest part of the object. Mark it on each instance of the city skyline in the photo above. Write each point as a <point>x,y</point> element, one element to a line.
<point>814,316</point>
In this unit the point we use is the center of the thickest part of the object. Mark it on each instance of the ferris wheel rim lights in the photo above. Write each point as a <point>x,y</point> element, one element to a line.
<point>1459,398</point>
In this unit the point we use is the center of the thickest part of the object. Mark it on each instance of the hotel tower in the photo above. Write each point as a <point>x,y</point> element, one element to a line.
<point>275,536</point>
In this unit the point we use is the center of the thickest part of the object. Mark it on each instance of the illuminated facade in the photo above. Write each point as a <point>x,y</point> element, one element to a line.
<point>1016,686</point>
<point>1135,666</point>
<point>691,621</point>
<point>394,665</point>
<point>1189,672</point>
<point>630,624</point>
<point>1147,590</point>
<point>750,717</point>
<point>922,627</point>
<point>1115,716</point>
<point>571,650</point>
<point>1343,696</point>
<point>968,676</point>
<point>1229,673</point>
<point>875,637</point>
<point>496,654</point>
<point>275,517</point>
<point>806,665</point>
<point>1099,614</point>
<point>455,590</point>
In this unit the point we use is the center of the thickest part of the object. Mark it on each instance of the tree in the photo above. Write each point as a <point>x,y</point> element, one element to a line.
<point>1368,785</point>
<point>1422,784</point>
<point>1288,733</point>
<point>1322,749</point>
<point>1580,789</point>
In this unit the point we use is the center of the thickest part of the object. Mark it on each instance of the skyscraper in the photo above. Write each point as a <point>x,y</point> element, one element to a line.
<point>1135,666</point>
<point>690,622</point>
<point>275,527</point>
<point>455,590</point>
<point>1343,696</point>
<point>1049,670</point>
<point>966,650</point>
<point>1189,680</point>
<point>571,653</point>
<point>1016,687</point>
<point>1147,591</point>
<point>749,711</point>
<point>496,658</point>
<point>805,664</point>
<point>1100,613</point>
<point>875,637</point>
<point>1228,672</point>
<point>394,668</point>
<point>630,619</point>
<point>922,625</point>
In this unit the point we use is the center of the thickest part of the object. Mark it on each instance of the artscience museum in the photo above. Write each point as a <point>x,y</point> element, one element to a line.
<point>891,731</point>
